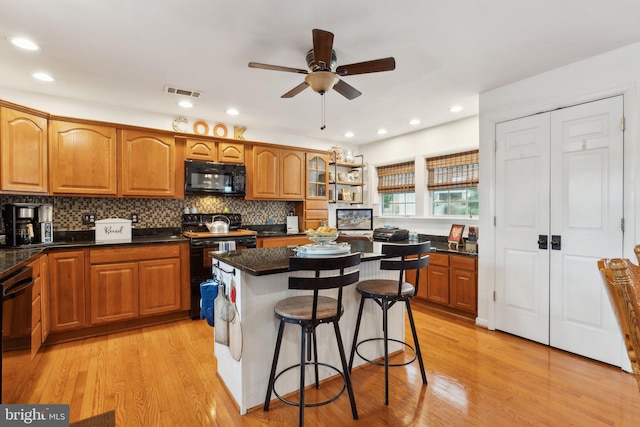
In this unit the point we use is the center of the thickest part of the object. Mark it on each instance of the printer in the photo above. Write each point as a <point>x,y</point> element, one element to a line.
<point>389,234</point>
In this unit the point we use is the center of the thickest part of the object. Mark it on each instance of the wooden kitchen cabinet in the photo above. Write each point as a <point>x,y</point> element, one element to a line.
<point>67,292</point>
<point>230,152</point>
<point>147,164</point>
<point>449,282</point>
<point>212,150</point>
<point>82,159</point>
<point>114,292</point>
<point>317,176</point>
<point>44,295</point>
<point>277,173</point>
<point>159,286</point>
<point>463,282</point>
<point>134,281</point>
<point>312,213</point>
<point>272,242</point>
<point>201,149</point>
<point>36,308</point>
<point>23,150</point>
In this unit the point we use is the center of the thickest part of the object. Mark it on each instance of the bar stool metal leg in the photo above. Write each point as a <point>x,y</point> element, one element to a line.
<point>355,336</point>
<point>276,354</point>
<point>385,307</point>
<point>417,344</point>
<point>303,335</point>
<point>345,370</point>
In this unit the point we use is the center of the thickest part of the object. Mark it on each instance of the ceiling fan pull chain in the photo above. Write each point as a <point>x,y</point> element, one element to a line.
<point>323,120</point>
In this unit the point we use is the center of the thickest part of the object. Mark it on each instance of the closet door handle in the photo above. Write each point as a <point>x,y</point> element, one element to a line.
<point>556,242</point>
<point>542,241</point>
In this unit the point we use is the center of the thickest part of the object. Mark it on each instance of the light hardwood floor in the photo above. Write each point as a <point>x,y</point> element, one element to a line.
<point>165,376</point>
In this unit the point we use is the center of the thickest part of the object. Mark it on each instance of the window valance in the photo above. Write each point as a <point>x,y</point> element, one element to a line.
<point>396,178</point>
<point>457,170</point>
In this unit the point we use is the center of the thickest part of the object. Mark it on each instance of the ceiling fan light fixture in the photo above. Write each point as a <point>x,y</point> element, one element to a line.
<point>321,81</point>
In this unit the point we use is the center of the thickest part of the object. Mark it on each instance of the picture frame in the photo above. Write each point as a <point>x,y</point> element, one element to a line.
<point>346,194</point>
<point>455,236</point>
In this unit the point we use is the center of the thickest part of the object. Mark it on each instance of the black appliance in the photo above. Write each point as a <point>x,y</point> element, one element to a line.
<point>390,234</point>
<point>26,223</point>
<point>211,178</point>
<point>15,315</point>
<point>200,262</point>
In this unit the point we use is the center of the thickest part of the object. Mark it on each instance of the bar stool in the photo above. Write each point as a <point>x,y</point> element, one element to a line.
<point>309,311</point>
<point>387,292</point>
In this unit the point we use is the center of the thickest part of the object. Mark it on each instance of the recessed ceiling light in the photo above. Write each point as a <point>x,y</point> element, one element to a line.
<point>23,43</point>
<point>185,104</point>
<point>455,109</point>
<point>414,122</point>
<point>382,131</point>
<point>42,77</point>
<point>232,111</point>
<point>349,134</point>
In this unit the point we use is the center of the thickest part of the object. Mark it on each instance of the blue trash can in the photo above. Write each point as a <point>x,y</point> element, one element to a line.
<point>208,293</point>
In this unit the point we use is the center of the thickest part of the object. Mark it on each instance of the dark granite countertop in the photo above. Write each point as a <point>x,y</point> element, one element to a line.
<point>13,258</point>
<point>263,261</point>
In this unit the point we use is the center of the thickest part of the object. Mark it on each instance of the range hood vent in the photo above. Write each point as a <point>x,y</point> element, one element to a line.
<point>185,92</point>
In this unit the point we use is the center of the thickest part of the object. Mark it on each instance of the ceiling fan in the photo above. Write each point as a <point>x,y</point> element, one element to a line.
<point>322,60</point>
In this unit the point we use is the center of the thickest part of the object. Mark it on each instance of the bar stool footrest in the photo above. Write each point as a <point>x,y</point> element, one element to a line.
<point>373,362</point>
<point>310,405</point>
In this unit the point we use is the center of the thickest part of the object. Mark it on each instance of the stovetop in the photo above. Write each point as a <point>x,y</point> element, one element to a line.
<point>196,222</point>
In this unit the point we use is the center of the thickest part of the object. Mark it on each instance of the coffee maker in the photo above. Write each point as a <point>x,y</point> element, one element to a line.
<point>26,223</point>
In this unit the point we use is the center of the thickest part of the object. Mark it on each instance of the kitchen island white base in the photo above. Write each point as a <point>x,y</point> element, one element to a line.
<point>256,297</point>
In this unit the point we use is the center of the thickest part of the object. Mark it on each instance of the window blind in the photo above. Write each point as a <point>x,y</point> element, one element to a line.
<point>396,178</point>
<point>453,170</point>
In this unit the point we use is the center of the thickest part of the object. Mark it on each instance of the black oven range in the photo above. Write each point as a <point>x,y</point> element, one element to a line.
<point>202,242</point>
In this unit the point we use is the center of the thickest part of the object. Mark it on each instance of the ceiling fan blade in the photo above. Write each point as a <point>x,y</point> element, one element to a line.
<point>277,68</point>
<point>322,45</point>
<point>346,90</point>
<point>296,90</point>
<point>374,66</point>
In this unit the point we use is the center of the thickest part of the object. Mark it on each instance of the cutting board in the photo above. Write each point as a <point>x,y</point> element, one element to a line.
<point>235,338</point>
<point>204,234</point>
<point>220,328</point>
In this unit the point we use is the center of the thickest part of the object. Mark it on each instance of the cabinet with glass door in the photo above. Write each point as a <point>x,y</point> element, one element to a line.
<point>317,176</point>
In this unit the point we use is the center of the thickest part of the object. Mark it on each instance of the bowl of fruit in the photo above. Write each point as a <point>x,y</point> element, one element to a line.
<point>322,235</point>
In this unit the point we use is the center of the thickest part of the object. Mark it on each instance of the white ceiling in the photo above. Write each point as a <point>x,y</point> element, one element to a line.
<point>123,52</point>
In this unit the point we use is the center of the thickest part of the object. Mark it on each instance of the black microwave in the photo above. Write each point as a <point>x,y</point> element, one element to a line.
<point>212,178</point>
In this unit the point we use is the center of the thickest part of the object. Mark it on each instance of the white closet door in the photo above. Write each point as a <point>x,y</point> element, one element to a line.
<point>522,214</point>
<point>586,212</point>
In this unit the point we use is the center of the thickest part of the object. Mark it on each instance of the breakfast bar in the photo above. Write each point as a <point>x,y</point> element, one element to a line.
<point>260,277</point>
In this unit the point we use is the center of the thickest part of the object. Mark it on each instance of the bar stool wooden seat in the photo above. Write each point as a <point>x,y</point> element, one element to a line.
<point>310,311</point>
<point>386,293</point>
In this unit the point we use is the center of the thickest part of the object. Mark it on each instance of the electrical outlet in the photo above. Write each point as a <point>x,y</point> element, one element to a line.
<point>88,219</point>
<point>135,218</point>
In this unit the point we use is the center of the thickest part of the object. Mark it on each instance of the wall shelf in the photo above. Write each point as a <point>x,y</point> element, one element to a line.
<point>346,180</point>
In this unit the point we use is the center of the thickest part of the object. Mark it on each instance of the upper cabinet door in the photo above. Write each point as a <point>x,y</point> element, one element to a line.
<point>201,149</point>
<point>317,180</point>
<point>82,159</point>
<point>265,172</point>
<point>230,152</point>
<point>147,164</point>
<point>23,144</point>
<point>292,167</point>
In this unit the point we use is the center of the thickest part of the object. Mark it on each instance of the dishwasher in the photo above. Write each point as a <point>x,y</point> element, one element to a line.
<point>15,315</point>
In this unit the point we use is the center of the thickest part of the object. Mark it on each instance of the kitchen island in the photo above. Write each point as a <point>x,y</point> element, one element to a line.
<point>260,277</point>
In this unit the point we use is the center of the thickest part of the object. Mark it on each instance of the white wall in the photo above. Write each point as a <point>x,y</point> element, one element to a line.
<point>76,108</point>
<point>613,73</point>
<point>457,136</point>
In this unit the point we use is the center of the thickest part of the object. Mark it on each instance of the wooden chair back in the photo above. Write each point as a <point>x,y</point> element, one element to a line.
<point>622,281</point>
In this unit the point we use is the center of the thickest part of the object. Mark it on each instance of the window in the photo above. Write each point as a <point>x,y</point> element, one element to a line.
<point>456,202</point>
<point>399,204</point>
<point>453,181</point>
<point>396,184</point>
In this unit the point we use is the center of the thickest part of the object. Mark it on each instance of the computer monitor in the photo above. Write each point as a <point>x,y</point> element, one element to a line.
<point>354,219</point>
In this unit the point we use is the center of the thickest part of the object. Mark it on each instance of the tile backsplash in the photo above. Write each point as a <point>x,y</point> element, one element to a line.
<point>152,213</point>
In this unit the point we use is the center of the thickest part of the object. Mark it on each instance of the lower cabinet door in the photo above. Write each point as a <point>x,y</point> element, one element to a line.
<point>114,292</point>
<point>159,286</point>
<point>438,284</point>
